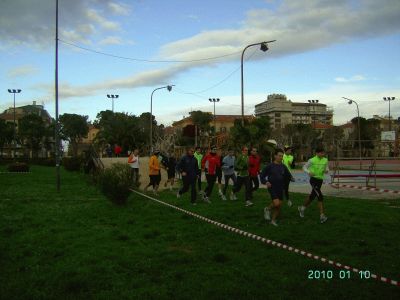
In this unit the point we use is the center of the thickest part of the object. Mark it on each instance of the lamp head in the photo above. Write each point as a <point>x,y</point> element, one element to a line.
<point>169,88</point>
<point>18,91</point>
<point>350,102</point>
<point>10,91</point>
<point>264,47</point>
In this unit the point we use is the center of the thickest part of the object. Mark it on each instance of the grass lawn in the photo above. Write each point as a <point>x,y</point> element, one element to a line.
<point>78,245</point>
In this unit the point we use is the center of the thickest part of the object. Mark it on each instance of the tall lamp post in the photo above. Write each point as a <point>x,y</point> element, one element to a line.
<point>264,48</point>
<point>350,101</point>
<point>214,100</point>
<point>389,99</point>
<point>13,91</point>
<point>169,88</point>
<point>112,99</point>
<point>312,102</point>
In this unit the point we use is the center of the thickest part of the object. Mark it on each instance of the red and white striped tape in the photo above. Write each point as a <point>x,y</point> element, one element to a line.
<point>270,242</point>
<point>357,187</point>
<point>365,188</point>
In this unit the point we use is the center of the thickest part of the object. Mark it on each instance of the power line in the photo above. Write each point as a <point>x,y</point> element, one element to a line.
<point>147,60</point>
<point>220,82</point>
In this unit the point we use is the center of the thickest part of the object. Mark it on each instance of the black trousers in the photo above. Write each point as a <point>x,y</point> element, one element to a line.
<point>210,184</point>
<point>286,188</point>
<point>199,179</point>
<point>316,189</point>
<point>254,185</point>
<point>243,180</point>
<point>189,183</point>
<point>227,177</point>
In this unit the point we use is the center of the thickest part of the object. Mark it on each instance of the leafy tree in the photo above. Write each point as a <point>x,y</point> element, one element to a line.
<point>6,134</point>
<point>73,128</point>
<point>32,130</point>
<point>126,130</point>
<point>255,133</point>
<point>369,132</point>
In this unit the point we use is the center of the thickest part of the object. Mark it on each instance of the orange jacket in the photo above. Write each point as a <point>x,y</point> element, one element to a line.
<point>154,165</point>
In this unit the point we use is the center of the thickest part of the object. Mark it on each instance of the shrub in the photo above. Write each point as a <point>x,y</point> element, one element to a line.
<point>18,167</point>
<point>115,182</point>
<point>72,163</point>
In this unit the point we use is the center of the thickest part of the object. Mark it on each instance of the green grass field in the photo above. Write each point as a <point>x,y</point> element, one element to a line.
<point>78,245</point>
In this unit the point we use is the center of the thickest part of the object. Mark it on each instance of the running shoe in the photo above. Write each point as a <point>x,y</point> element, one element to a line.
<point>267,214</point>
<point>249,203</point>
<point>301,211</point>
<point>323,218</point>
<point>274,223</point>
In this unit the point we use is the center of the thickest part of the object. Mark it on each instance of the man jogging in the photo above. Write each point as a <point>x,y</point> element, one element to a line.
<point>316,167</point>
<point>288,162</point>
<point>254,169</point>
<point>199,158</point>
<point>228,165</point>
<point>274,176</point>
<point>188,167</point>
<point>210,164</point>
<point>242,168</point>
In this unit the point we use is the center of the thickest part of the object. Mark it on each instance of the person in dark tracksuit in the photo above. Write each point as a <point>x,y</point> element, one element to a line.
<point>274,176</point>
<point>188,167</point>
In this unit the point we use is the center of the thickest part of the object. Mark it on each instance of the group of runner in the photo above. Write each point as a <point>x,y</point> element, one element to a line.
<point>244,170</point>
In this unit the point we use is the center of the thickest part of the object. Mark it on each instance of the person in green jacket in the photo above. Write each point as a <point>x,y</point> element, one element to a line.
<point>242,168</point>
<point>288,162</point>
<point>199,157</point>
<point>316,168</point>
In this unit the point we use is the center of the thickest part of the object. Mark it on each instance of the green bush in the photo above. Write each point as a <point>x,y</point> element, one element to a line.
<point>18,167</point>
<point>115,183</point>
<point>72,163</point>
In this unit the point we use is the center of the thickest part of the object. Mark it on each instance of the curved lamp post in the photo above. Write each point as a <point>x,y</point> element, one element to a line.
<point>264,48</point>
<point>351,101</point>
<point>169,88</point>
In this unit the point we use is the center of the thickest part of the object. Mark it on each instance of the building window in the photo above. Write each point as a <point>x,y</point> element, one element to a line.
<point>277,114</point>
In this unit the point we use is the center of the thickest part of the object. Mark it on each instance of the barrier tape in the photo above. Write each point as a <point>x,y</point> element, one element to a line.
<point>270,242</point>
<point>357,187</point>
<point>365,188</point>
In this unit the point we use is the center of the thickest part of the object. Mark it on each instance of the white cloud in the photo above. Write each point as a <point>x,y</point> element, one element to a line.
<point>350,79</point>
<point>119,8</point>
<point>111,40</point>
<point>20,71</point>
<point>32,24</point>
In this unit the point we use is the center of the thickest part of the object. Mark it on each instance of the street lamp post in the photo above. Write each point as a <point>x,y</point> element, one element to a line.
<point>312,102</point>
<point>264,48</point>
<point>112,99</point>
<point>13,91</point>
<point>389,99</point>
<point>358,125</point>
<point>214,100</point>
<point>169,88</point>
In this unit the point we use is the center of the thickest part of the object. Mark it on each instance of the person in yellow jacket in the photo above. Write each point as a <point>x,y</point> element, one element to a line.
<point>316,168</point>
<point>154,172</point>
<point>288,162</point>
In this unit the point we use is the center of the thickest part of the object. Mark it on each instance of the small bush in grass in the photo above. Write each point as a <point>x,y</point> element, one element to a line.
<point>115,182</point>
<point>72,163</point>
<point>18,167</point>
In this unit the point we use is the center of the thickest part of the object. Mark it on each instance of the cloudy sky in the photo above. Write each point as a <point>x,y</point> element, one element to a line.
<point>324,50</point>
